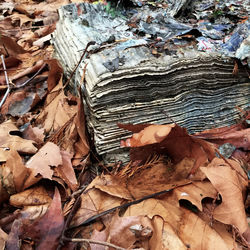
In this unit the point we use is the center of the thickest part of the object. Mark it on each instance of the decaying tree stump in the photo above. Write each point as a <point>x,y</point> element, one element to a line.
<point>146,68</point>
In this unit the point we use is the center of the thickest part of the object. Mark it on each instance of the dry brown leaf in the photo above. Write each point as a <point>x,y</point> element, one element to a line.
<point>92,203</point>
<point>35,134</point>
<point>80,122</point>
<point>21,18</point>
<point>154,178</point>
<point>164,236</point>
<point>45,160</point>
<point>172,140</point>
<point>31,197</point>
<point>46,230</point>
<point>66,171</point>
<point>135,230</point>
<point>55,73</point>
<point>151,207</point>
<point>57,113</point>
<point>111,185</point>
<point>10,62</point>
<point>8,139</point>
<point>18,170</point>
<point>196,192</point>
<point>181,223</point>
<point>231,187</point>
<point>197,234</point>
<point>3,239</point>
<point>12,47</point>
<point>149,135</point>
<point>237,135</point>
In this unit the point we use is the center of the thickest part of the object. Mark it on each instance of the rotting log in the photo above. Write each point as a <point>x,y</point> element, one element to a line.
<point>133,79</point>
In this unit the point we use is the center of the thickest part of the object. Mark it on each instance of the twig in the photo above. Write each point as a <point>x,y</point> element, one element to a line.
<point>74,70</point>
<point>126,205</point>
<point>7,81</point>
<point>107,244</point>
<point>30,79</point>
<point>74,208</point>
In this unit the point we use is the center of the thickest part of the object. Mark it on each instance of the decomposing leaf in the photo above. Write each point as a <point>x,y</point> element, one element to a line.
<point>23,100</point>
<point>44,231</point>
<point>229,184</point>
<point>238,138</point>
<point>47,230</point>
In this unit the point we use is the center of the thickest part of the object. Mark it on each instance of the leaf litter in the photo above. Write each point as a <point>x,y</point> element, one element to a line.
<point>179,190</point>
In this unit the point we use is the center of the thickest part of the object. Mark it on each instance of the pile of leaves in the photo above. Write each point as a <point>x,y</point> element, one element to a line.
<point>179,191</point>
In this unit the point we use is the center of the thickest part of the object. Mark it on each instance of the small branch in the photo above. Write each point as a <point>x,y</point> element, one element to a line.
<point>126,205</point>
<point>74,70</point>
<point>7,81</point>
<point>89,241</point>
<point>30,79</point>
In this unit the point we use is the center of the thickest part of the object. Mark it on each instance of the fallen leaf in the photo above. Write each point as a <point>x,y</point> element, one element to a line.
<point>236,136</point>
<point>46,230</point>
<point>66,171</point>
<point>31,197</point>
<point>57,113</point>
<point>12,47</point>
<point>171,139</point>
<point>35,134</point>
<point>3,239</point>
<point>10,62</point>
<point>92,203</point>
<point>19,172</point>
<point>197,234</point>
<point>55,73</point>
<point>111,185</point>
<point>196,192</point>
<point>9,139</point>
<point>229,184</point>
<point>45,160</point>
<point>135,230</point>
<point>164,236</point>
